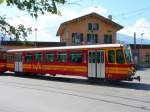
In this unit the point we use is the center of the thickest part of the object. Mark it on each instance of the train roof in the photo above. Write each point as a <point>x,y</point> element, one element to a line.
<point>68,47</point>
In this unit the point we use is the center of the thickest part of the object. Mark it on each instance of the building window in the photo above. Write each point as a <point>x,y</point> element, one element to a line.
<point>93,26</point>
<point>77,38</point>
<point>107,39</point>
<point>92,38</point>
<point>147,58</point>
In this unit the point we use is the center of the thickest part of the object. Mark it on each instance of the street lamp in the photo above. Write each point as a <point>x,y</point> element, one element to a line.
<point>35,37</point>
<point>141,51</point>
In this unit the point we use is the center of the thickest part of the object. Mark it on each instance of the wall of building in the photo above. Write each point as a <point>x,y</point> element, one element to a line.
<point>81,26</point>
<point>141,55</point>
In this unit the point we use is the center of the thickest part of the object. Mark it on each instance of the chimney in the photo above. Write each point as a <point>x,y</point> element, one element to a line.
<point>110,17</point>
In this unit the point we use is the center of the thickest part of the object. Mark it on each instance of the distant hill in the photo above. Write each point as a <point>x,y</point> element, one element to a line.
<point>130,40</point>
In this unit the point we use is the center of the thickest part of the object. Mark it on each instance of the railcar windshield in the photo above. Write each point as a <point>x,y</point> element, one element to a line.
<point>128,54</point>
<point>120,56</point>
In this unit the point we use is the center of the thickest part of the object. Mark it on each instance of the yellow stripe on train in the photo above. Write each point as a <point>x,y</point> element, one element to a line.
<point>55,67</point>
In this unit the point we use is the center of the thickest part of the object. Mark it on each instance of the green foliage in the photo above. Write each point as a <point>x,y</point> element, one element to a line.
<point>2,1</point>
<point>34,7</point>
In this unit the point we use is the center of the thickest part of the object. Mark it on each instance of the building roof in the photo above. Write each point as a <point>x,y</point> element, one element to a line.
<point>62,26</point>
<point>32,43</point>
<point>69,47</point>
<point>139,46</point>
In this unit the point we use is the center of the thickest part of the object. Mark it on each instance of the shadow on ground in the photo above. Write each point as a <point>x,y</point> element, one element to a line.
<point>122,84</point>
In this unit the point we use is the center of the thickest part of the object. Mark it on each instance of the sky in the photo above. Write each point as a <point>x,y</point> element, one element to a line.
<point>133,15</point>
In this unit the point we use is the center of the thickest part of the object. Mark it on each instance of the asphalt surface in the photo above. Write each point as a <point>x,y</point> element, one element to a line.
<point>63,94</point>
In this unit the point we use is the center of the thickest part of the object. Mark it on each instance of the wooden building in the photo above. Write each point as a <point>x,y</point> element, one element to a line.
<point>141,54</point>
<point>89,29</point>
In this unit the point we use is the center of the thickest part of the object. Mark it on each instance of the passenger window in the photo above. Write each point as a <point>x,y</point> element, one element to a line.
<point>10,58</point>
<point>50,57</point>
<point>90,57</point>
<point>98,57</point>
<point>76,57</point>
<point>4,56</point>
<point>62,57</point>
<point>18,57</point>
<point>38,57</point>
<point>111,56</point>
<point>28,57</point>
<point>119,57</point>
<point>94,57</point>
<point>102,57</point>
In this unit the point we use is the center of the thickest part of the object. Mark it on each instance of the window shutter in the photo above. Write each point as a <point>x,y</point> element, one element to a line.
<point>87,37</point>
<point>89,26</point>
<point>104,39</point>
<point>110,38</point>
<point>73,38</point>
<point>73,34</point>
<point>96,38</point>
<point>81,36</point>
<point>97,26</point>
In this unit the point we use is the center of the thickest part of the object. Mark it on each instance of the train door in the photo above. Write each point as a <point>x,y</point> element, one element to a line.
<point>100,64</point>
<point>92,63</point>
<point>18,62</point>
<point>96,64</point>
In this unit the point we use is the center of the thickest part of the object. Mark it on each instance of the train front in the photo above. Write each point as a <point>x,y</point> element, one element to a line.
<point>130,62</point>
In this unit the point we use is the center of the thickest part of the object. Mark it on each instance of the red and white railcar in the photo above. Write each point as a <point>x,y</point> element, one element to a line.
<point>2,61</point>
<point>107,61</point>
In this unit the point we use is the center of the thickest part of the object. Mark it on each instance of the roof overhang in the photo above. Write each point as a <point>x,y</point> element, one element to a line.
<point>63,25</point>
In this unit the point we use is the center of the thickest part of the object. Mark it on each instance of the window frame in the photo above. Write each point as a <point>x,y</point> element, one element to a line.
<point>93,26</point>
<point>25,60</point>
<point>58,54</point>
<point>82,58</point>
<point>147,58</point>
<point>123,57</point>
<point>92,37</point>
<point>77,38</point>
<point>108,38</point>
<point>114,60</point>
<point>10,57</point>
<point>54,56</point>
<point>41,58</point>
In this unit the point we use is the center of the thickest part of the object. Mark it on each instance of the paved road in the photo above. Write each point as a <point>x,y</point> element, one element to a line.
<point>43,94</point>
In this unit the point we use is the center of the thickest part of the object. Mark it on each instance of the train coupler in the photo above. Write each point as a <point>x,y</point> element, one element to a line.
<point>136,78</point>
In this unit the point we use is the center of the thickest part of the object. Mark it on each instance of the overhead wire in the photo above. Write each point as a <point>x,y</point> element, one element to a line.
<point>134,13</point>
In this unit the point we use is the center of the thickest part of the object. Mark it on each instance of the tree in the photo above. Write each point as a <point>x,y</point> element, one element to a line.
<point>34,7</point>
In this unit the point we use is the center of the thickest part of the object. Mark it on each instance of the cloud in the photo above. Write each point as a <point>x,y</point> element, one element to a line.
<point>42,35</point>
<point>48,24</point>
<point>140,26</point>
